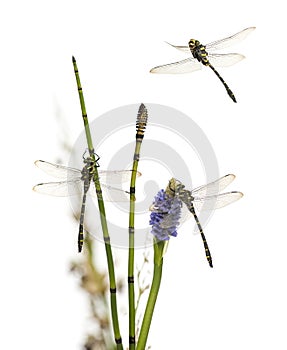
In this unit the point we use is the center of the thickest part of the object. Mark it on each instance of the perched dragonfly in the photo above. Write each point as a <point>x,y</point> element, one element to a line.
<point>75,181</point>
<point>203,55</point>
<point>206,197</point>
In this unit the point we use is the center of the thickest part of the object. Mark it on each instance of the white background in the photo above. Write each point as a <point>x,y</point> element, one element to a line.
<point>241,303</point>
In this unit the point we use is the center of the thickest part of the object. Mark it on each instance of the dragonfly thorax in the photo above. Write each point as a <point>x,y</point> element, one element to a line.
<point>89,168</point>
<point>198,51</point>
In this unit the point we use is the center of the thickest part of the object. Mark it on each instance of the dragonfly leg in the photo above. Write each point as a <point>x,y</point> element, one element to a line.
<point>88,159</point>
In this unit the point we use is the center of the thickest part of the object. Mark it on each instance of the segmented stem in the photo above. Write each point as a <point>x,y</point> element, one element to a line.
<point>140,129</point>
<point>159,248</point>
<point>113,297</point>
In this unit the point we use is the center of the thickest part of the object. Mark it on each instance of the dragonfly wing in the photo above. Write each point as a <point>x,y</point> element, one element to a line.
<point>185,66</point>
<point>70,188</point>
<point>180,48</point>
<point>110,193</point>
<point>58,171</point>
<point>231,40</point>
<point>217,201</point>
<point>116,176</point>
<point>185,215</point>
<point>225,60</point>
<point>214,187</point>
<point>167,221</point>
<point>60,189</point>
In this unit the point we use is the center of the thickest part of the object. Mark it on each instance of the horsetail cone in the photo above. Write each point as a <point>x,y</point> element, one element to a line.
<point>141,121</point>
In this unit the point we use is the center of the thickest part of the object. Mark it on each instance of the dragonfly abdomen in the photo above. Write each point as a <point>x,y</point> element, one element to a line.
<point>228,90</point>
<point>80,238</point>
<point>199,52</point>
<point>81,226</point>
<point>206,248</point>
<point>188,199</point>
<point>87,182</point>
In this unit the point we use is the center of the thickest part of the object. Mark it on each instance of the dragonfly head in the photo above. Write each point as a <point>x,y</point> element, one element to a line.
<point>193,43</point>
<point>171,187</point>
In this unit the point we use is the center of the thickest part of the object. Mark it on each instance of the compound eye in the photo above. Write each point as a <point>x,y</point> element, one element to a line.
<point>192,42</point>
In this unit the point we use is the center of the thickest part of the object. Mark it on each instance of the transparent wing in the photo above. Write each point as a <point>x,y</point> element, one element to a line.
<point>71,188</point>
<point>191,64</point>
<point>110,193</point>
<point>184,216</point>
<point>63,172</point>
<point>225,60</point>
<point>180,47</point>
<point>217,201</point>
<point>207,203</point>
<point>231,40</point>
<point>116,176</point>
<point>214,187</point>
<point>185,66</point>
<point>58,171</point>
<point>60,189</point>
<point>219,44</point>
<point>167,222</point>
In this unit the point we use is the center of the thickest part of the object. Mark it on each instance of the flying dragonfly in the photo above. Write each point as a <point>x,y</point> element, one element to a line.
<point>203,56</point>
<point>74,181</point>
<point>206,197</point>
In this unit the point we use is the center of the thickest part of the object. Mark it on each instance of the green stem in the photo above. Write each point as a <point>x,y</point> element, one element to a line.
<point>157,273</point>
<point>140,126</point>
<point>111,272</point>
<point>101,295</point>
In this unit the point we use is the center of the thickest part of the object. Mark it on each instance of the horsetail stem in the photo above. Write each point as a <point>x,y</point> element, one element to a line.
<point>140,129</point>
<point>109,255</point>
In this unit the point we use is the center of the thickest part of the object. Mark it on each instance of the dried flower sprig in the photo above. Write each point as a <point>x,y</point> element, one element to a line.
<point>94,284</point>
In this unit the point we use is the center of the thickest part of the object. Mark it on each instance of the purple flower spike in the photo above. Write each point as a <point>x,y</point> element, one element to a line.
<point>165,216</point>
